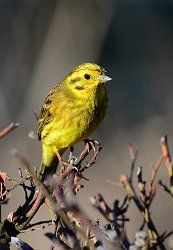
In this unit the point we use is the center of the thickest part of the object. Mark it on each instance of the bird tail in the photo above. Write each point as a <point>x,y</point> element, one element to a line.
<point>49,161</point>
<point>46,171</point>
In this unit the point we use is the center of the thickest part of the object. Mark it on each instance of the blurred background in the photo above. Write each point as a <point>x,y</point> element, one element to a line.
<point>42,41</point>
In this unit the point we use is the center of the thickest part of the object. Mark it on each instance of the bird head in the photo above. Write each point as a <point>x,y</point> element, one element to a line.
<point>86,77</point>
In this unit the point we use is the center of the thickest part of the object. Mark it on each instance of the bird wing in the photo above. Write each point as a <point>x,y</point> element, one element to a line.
<point>45,114</point>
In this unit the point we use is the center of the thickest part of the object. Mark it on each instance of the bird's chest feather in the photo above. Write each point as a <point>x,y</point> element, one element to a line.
<point>91,114</point>
<point>78,120</point>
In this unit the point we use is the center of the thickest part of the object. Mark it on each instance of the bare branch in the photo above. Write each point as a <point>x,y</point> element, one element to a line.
<point>8,129</point>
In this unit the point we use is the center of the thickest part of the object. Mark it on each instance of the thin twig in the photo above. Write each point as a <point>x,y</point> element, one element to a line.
<point>133,155</point>
<point>168,160</point>
<point>155,169</point>
<point>8,129</point>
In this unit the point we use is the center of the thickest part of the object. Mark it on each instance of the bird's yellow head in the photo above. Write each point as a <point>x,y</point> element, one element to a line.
<point>86,77</point>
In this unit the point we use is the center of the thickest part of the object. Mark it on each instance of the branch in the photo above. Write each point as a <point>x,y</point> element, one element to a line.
<point>168,160</point>
<point>8,129</point>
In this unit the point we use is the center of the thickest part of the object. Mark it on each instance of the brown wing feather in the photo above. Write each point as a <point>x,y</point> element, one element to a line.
<point>45,115</point>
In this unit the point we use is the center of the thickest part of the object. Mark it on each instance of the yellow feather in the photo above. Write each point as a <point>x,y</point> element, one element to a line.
<point>72,111</point>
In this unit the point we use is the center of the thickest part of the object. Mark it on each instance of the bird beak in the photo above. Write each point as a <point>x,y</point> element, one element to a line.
<point>104,78</point>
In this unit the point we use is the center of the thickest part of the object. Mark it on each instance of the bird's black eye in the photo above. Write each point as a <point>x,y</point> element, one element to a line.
<point>87,77</point>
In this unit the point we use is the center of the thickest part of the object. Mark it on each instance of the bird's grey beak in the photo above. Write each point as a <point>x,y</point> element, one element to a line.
<point>104,78</point>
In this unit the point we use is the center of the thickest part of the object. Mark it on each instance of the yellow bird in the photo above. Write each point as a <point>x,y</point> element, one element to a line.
<point>71,113</point>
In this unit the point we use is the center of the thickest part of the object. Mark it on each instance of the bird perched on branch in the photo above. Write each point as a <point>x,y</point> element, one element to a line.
<point>71,113</point>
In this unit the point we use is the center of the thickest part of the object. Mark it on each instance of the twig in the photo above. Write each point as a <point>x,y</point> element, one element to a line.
<point>144,210</point>
<point>90,144</point>
<point>35,115</point>
<point>36,205</point>
<point>155,168</point>
<point>25,164</point>
<point>8,129</point>
<point>133,155</point>
<point>31,226</point>
<point>166,189</point>
<point>168,160</point>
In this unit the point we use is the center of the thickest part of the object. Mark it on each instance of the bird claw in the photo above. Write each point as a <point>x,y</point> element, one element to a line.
<point>92,144</point>
<point>72,159</point>
<point>75,162</point>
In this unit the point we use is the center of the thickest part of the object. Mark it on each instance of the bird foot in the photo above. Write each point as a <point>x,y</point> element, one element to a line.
<point>92,144</point>
<point>75,162</point>
<point>89,145</point>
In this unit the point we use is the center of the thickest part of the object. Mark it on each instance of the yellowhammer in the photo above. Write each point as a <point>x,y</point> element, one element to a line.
<point>71,112</point>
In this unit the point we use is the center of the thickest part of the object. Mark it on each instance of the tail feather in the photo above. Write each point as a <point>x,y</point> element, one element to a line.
<point>46,171</point>
<point>49,161</point>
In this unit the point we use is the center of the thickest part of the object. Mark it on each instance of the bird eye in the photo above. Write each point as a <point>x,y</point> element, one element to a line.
<point>87,77</point>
